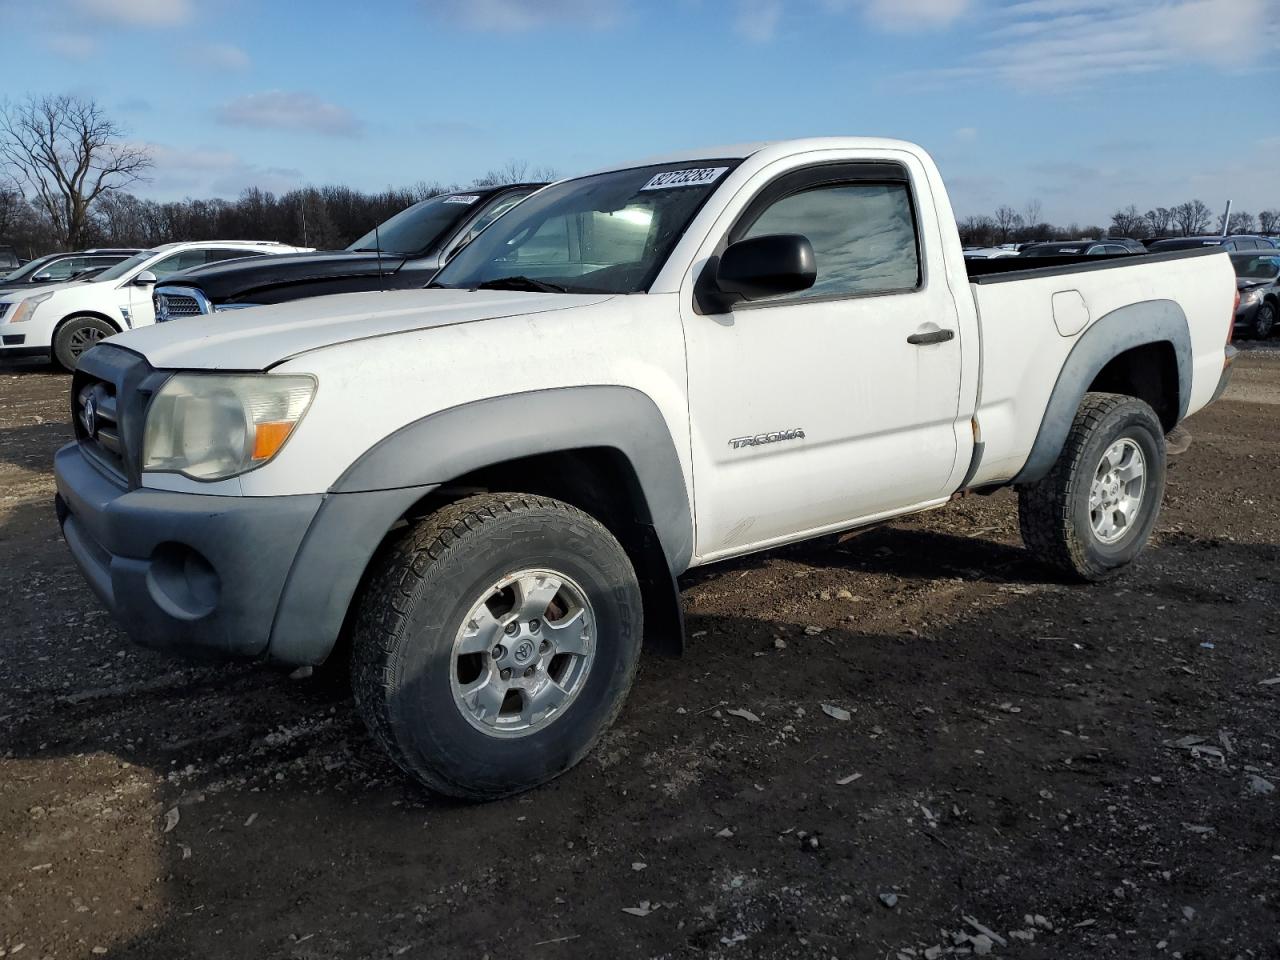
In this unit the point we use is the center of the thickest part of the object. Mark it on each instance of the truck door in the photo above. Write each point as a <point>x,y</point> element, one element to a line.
<point>813,410</point>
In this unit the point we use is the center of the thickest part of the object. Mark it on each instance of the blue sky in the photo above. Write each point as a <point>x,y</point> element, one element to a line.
<point>1084,105</point>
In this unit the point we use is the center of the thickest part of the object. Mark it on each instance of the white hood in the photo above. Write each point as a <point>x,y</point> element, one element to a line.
<point>259,337</point>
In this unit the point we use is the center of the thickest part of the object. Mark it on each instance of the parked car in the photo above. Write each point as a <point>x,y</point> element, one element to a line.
<point>402,253</point>
<point>62,267</point>
<point>1258,280</point>
<point>988,253</point>
<point>9,258</point>
<point>1106,247</point>
<point>492,482</point>
<point>63,321</point>
<point>1230,244</point>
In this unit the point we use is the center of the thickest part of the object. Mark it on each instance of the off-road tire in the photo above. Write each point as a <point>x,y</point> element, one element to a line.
<point>420,590</point>
<point>1053,513</point>
<point>65,340</point>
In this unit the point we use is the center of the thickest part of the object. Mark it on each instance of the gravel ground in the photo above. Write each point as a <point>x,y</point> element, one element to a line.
<point>942,749</point>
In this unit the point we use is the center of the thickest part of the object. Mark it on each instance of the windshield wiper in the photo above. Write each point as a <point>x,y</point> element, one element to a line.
<point>521,282</point>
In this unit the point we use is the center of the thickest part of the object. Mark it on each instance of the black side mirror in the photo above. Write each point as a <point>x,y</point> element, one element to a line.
<point>761,267</point>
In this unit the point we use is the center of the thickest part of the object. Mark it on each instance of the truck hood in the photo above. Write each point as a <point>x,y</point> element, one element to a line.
<point>235,280</point>
<point>256,338</point>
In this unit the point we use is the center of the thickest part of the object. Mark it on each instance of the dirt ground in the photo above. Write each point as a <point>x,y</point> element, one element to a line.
<point>1058,770</point>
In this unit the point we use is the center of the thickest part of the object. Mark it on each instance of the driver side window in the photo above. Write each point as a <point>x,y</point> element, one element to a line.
<point>863,237</point>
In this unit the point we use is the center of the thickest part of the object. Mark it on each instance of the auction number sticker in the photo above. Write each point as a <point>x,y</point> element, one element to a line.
<point>697,177</point>
<point>462,198</point>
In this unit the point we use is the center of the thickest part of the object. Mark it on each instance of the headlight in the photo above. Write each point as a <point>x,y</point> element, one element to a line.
<point>1247,297</point>
<point>212,426</point>
<point>27,307</point>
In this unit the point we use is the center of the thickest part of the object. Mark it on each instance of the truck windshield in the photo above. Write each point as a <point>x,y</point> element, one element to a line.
<point>417,229</point>
<point>608,233</point>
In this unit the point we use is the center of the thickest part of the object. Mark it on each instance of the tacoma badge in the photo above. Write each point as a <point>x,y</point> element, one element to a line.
<point>795,433</point>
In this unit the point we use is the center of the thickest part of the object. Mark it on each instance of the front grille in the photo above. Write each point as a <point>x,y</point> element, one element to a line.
<point>98,425</point>
<point>4,308</point>
<point>110,392</point>
<point>171,305</point>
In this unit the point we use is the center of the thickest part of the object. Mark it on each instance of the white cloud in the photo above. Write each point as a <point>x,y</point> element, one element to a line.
<point>71,46</point>
<point>1050,43</point>
<point>904,14</point>
<point>757,20</point>
<point>288,110</point>
<point>137,13</point>
<point>207,172</point>
<point>218,56</point>
<point>966,134</point>
<point>518,16</point>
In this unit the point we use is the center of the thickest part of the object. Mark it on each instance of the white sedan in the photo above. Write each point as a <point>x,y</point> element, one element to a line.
<point>65,320</point>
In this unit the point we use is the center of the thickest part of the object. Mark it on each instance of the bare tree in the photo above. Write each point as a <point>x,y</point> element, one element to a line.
<point>1159,221</point>
<point>63,154</point>
<point>1032,211</point>
<point>1269,221</point>
<point>1128,222</point>
<point>516,171</point>
<point>1192,217</point>
<point>1240,222</point>
<point>1007,220</point>
<point>977,231</point>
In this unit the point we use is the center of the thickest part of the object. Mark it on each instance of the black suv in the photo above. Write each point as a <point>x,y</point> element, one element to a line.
<point>1106,247</point>
<point>404,252</point>
<point>1236,242</point>
<point>61,267</point>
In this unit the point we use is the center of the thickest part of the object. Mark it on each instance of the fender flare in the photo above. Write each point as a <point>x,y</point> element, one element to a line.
<point>399,470</point>
<point>456,441</point>
<point>1134,325</point>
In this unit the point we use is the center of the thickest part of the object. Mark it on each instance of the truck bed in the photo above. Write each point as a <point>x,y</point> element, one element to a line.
<point>1033,311</point>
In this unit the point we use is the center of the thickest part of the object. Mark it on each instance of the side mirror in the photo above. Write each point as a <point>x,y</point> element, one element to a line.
<point>765,267</point>
<point>145,279</point>
<point>42,278</point>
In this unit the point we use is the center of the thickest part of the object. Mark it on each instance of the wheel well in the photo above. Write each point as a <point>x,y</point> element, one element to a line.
<point>84,313</point>
<point>602,482</point>
<point>1148,372</point>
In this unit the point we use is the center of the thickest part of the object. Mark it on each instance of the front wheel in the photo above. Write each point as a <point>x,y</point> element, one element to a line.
<point>1264,321</point>
<point>1094,511</point>
<point>495,642</point>
<point>76,336</point>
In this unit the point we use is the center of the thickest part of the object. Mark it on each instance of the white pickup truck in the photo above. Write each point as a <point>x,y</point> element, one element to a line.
<point>488,487</point>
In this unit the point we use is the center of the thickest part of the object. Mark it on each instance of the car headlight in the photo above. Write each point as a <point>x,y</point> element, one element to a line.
<point>27,307</point>
<point>211,426</point>
<point>1250,297</point>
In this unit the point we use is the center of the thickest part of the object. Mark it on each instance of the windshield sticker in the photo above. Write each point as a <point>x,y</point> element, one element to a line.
<point>698,177</point>
<point>1065,250</point>
<point>462,198</point>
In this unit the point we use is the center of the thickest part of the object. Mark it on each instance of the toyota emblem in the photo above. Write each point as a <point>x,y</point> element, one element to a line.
<point>89,416</point>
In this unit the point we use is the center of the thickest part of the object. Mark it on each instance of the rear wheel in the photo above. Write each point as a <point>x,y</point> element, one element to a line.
<point>495,642</point>
<point>1094,511</point>
<point>77,335</point>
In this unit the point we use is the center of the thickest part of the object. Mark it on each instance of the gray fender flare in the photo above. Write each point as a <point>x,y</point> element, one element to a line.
<point>456,441</point>
<point>398,471</point>
<point>1152,321</point>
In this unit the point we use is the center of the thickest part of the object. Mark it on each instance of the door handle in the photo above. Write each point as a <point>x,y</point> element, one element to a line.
<point>934,336</point>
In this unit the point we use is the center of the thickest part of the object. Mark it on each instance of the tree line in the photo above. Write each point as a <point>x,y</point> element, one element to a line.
<point>1189,219</point>
<point>66,169</point>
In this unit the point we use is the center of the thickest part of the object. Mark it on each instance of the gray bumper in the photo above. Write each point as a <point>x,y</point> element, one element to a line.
<point>1225,380</point>
<point>223,576</point>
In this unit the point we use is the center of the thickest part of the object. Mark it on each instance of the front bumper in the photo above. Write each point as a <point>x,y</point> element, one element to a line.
<point>223,576</point>
<point>1245,315</point>
<point>203,574</point>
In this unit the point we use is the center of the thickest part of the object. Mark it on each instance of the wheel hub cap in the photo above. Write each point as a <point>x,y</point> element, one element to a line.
<point>1115,495</point>
<point>523,653</point>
